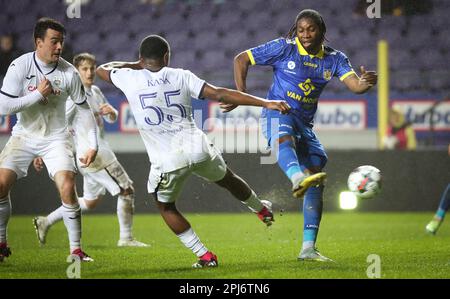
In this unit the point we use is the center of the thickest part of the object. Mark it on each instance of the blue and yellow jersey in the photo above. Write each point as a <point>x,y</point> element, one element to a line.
<point>299,78</point>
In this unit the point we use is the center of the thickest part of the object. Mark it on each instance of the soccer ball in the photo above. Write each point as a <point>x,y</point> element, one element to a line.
<point>365,181</point>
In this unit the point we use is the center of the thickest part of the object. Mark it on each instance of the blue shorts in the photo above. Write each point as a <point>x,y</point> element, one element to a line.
<point>276,125</point>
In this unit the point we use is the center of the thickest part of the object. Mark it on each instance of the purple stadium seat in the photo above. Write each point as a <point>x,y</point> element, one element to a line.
<point>214,60</point>
<point>400,59</point>
<point>438,80</point>
<point>184,59</point>
<point>119,42</point>
<point>407,81</point>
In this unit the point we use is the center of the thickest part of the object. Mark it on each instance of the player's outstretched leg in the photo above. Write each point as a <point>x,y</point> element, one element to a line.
<point>301,178</point>
<point>242,191</point>
<point>125,211</point>
<point>181,227</point>
<point>433,226</point>
<point>43,224</point>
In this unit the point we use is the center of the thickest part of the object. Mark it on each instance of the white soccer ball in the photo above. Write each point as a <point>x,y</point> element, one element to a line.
<point>365,181</point>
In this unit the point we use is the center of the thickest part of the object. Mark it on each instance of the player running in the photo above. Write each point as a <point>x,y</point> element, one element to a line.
<point>36,88</point>
<point>106,172</point>
<point>160,99</point>
<point>302,67</point>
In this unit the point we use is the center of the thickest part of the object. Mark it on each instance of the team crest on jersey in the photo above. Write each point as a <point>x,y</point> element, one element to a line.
<point>57,81</point>
<point>327,75</point>
<point>291,65</point>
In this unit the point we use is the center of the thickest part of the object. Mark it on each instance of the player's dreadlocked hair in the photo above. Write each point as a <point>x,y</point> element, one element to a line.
<point>309,14</point>
<point>153,47</point>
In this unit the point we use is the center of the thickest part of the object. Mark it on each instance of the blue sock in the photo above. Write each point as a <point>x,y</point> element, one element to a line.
<point>288,160</point>
<point>445,203</point>
<point>312,214</point>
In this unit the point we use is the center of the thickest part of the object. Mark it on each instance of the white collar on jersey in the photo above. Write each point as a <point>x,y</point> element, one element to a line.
<point>40,63</point>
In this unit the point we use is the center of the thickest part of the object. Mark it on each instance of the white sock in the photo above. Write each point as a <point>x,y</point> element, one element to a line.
<point>297,178</point>
<point>72,221</point>
<point>125,210</point>
<point>191,241</point>
<point>253,203</point>
<point>5,213</point>
<point>308,244</point>
<point>57,215</point>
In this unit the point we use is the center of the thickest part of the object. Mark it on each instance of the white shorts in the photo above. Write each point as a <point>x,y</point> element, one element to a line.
<point>20,151</point>
<point>167,186</point>
<point>112,178</point>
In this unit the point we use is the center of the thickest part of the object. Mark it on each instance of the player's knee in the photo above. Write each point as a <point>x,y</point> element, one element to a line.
<point>128,191</point>
<point>91,204</point>
<point>67,189</point>
<point>165,206</point>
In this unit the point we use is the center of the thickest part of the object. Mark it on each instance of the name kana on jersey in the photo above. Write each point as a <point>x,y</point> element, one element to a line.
<point>159,81</point>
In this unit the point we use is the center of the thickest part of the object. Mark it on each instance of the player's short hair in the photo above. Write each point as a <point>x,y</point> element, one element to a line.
<point>153,47</point>
<point>47,23</point>
<point>309,14</point>
<point>79,58</point>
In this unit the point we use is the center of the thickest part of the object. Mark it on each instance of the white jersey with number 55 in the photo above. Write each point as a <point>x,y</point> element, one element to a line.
<point>161,104</point>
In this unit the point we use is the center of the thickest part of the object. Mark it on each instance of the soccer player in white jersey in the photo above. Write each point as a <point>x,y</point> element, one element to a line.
<point>160,99</point>
<point>105,172</point>
<point>36,88</point>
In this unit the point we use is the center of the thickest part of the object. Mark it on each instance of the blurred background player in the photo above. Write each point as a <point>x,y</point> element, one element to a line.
<point>36,88</point>
<point>106,172</point>
<point>160,99</point>
<point>302,67</point>
<point>400,134</point>
<point>8,52</point>
<point>433,226</point>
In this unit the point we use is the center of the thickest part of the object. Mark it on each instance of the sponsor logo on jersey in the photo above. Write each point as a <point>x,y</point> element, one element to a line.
<point>307,87</point>
<point>310,64</point>
<point>291,65</point>
<point>301,99</point>
<point>30,77</point>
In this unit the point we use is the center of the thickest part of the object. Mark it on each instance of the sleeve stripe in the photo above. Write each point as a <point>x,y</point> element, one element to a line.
<point>250,55</point>
<point>346,75</point>
<point>8,95</point>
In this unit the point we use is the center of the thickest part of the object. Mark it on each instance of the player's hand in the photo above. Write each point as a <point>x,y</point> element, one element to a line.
<point>281,106</point>
<point>106,109</point>
<point>367,78</point>
<point>45,87</point>
<point>227,107</point>
<point>38,164</point>
<point>88,158</point>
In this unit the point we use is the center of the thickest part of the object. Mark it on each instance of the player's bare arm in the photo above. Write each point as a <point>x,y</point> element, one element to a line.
<point>361,84</point>
<point>241,64</point>
<point>234,97</point>
<point>103,70</point>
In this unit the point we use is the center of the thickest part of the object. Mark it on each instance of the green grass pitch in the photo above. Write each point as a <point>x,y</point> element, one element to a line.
<point>244,246</point>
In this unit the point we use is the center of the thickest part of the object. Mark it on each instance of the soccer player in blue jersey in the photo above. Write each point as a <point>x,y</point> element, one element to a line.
<point>302,66</point>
